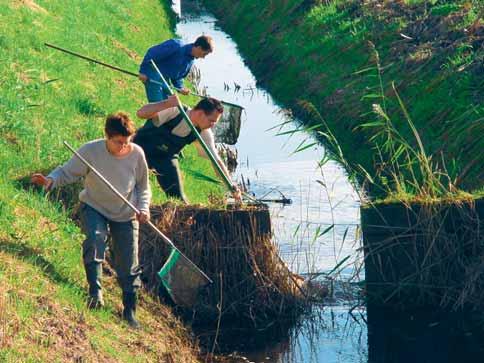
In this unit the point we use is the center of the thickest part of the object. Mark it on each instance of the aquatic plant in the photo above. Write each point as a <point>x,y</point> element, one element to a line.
<point>403,168</point>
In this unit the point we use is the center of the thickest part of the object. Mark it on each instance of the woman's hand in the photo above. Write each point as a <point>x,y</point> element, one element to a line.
<point>41,180</point>
<point>143,217</point>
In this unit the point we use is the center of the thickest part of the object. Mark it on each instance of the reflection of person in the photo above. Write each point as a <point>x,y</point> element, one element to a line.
<point>174,60</point>
<point>167,133</point>
<point>124,165</point>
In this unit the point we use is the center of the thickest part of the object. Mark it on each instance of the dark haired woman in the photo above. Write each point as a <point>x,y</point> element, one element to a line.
<point>123,164</point>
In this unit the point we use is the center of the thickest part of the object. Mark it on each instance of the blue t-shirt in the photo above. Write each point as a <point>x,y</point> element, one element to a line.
<point>172,57</point>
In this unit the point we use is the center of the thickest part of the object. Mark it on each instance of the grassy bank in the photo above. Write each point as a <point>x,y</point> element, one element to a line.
<point>398,83</point>
<point>48,97</point>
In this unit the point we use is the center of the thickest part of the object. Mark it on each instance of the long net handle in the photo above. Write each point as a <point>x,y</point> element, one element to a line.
<point>122,70</point>
<point>91,59</point>
<point>136,210</point>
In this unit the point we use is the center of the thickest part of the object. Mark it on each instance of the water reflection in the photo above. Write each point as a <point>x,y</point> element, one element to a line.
<point>331,335</point>
<point>425,336</point>
<point>322,198</point>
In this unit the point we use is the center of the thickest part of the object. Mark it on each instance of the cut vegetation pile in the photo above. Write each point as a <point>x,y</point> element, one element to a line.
<point>423,255</point>
<point>251,285</point>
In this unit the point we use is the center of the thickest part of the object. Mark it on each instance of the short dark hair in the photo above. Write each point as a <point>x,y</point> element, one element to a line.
<point>119,123</point>
<point>209,105</point>
<point>205,42</point>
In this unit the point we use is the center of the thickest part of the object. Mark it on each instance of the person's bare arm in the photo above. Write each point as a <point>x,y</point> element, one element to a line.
<point>150,110</point>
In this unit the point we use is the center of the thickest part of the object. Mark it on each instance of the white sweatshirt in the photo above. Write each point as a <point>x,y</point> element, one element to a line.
<point>128,174</point>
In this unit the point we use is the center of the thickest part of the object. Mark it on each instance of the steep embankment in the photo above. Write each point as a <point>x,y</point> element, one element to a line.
<point>352,60</point>
<point>48,97</point>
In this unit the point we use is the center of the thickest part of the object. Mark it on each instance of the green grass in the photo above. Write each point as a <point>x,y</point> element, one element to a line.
<point>48,97</point>
<point>343,57</point>
<point>42,295</point>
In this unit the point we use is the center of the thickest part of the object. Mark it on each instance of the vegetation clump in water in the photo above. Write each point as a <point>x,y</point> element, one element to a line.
<point>252,287</point>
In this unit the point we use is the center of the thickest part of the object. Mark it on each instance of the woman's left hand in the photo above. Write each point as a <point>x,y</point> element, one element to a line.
<point>41,180</point>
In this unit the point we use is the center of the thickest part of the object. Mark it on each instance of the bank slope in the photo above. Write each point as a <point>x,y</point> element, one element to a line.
<point>351,60</point>
<point>48,97</point>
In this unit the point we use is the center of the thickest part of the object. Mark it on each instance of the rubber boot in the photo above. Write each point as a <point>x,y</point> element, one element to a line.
<point>129,302</point>
<point>93,274</point>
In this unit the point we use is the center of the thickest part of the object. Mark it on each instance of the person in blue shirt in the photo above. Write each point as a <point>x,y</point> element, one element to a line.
<point>174,60</point>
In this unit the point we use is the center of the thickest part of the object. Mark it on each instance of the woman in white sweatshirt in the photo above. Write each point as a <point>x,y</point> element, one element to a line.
<point>123,164</point>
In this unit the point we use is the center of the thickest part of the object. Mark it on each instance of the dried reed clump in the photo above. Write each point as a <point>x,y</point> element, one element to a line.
<point>234,248</point>
<point>426,254</point>
<point>3,320</point>
<point>10,321</point>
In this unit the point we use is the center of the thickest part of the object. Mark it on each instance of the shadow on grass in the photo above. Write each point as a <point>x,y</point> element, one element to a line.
<point>87,107</point>
<point>33,256</point>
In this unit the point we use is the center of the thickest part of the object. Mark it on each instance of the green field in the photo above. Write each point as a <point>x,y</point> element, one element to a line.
<point>399,84</point>
<point>48,97</point>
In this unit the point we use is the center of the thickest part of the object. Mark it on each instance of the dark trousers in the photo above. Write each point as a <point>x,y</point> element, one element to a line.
<point>169,176</point>
<point>124,249</point>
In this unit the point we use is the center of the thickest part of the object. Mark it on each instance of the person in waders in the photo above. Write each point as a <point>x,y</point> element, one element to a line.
<point>102,212</point>
<point>166,133</point>
<point>174,60</point>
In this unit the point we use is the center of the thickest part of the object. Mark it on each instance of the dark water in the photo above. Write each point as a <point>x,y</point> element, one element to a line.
<point>426,336</point>
<point>322,198</point>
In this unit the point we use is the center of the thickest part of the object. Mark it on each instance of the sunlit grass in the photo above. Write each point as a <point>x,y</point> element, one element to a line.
<point>323,53</point>
<point>48,97</point>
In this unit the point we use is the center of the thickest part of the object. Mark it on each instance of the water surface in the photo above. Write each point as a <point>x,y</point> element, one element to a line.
<point>322,198</point>
<point>269,163</point>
